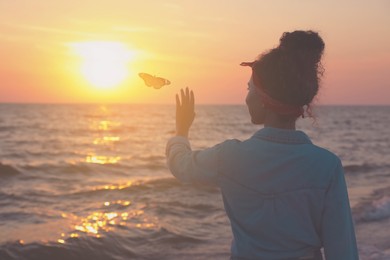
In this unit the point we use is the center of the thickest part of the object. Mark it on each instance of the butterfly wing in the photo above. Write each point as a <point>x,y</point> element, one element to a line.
<point>152,81</point>
<point>148,79</point>
<point>160,82</point>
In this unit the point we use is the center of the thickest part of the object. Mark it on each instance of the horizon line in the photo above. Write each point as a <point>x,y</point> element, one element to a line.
<point>172,104</point>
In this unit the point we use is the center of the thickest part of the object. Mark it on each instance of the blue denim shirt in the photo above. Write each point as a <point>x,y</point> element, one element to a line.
<point>284,196</point>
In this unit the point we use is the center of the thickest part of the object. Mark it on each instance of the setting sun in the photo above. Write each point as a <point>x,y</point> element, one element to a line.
<point>104,64</point>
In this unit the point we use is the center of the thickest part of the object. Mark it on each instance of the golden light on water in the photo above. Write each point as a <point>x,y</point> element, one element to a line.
<point>104,63</point>
<point>104,125</point>
<point>98,222</point>
<point>118,186</point>
<point>118,202</point>
<point>145,225</point>
<point>100,159</point>
<point>111,138</point>
<point>106,139</point>
<point>112,214</point>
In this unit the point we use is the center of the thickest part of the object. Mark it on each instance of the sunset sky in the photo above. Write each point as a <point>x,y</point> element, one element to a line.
<point>68,51</point>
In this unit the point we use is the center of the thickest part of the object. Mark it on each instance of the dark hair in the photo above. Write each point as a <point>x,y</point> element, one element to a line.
<point>291,72</point>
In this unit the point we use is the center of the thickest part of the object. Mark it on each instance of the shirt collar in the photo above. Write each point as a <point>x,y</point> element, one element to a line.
<point>286,136</point>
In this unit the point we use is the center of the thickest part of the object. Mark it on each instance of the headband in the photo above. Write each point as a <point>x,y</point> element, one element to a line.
<point>271,103</point>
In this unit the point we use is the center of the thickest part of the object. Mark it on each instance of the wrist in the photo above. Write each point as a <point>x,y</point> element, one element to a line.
<point>182,133</point>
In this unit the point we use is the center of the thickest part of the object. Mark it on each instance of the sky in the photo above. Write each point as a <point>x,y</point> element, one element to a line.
<point>68,51</point>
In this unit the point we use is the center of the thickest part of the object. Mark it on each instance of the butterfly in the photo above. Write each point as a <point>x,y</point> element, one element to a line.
<point>153,81</point>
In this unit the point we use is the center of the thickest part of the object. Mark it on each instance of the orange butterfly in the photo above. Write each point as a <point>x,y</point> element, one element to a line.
<point>153,81</point>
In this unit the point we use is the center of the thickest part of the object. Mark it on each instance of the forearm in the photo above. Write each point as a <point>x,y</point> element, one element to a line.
<point>178,153</point>
<point>199,166</point>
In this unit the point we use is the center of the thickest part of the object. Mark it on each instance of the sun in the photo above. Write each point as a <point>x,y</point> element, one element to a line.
<point>104,63</point>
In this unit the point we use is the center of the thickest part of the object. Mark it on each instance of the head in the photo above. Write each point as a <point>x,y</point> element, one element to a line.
<point>289,74</point>
<point>255,105</point>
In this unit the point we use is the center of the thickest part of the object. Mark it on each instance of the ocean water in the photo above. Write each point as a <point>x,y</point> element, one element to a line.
<point>90,181</point>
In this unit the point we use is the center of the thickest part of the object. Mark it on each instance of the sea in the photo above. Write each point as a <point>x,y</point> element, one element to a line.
<point>90,181</point>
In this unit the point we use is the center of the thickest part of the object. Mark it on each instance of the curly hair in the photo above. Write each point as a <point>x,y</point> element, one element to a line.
<point>291,72</point>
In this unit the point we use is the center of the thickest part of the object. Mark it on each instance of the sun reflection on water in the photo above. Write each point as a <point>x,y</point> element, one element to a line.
<point>117,186</point>
<point>100,159</point>
<point>112,215</point>
<point>118,202</point>
<point>106,140</point>
<point>104,125</point>
<point>99,222</point>
<point>95,222</point>
<point>107,125</point>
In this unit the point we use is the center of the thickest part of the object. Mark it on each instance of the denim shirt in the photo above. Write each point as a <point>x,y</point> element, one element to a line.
<point>284,196</point>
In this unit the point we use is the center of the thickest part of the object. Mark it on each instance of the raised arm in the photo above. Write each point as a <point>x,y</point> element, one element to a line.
<point>184,163</point>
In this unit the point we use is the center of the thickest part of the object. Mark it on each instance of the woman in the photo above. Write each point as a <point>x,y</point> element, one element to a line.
<point>285,197</point>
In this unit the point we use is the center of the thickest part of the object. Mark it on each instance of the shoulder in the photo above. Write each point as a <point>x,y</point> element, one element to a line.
<point>325,155</point>
<point>231,142</point>
<point>229,147</point>
<point>327,163</point>
<point>240,144</point>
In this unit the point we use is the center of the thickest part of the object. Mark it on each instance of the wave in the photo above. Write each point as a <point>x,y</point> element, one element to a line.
<point>7,171</point>
<point>144,227</point>
<point>159,243</point>
<point>369,252</point>
<point>72,248</point>
<point>63,167</point>
<point>7,128</point>
<point>15,216</point>
<point>169,183</point>
<point>164,193</point>
<point>362,168</point>
<point>121,167</point>
<point>66,168</point>
<point>134,186</point>
<point>7,199</point>
<point>375,208</point>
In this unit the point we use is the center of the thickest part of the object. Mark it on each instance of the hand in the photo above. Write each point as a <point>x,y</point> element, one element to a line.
<point>185,112</point>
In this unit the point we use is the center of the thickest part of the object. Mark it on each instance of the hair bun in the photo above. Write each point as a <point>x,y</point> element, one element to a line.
<point>302,41</point>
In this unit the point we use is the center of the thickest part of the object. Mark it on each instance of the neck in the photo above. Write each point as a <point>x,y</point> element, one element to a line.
<point>277,121</point>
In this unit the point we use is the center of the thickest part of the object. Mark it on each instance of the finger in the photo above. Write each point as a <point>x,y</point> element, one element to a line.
<point>192,101</point>
<point>183,100</point>
<point>188,96</point>
<point>177,101</point>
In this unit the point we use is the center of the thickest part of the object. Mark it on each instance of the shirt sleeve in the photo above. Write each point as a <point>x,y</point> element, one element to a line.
<point>192,166</point>
<point>338,234</point>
